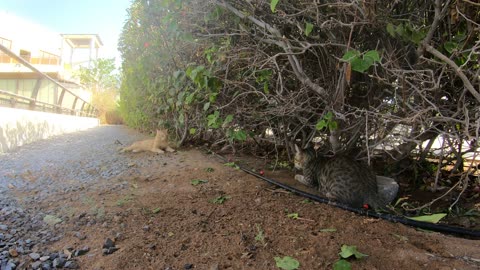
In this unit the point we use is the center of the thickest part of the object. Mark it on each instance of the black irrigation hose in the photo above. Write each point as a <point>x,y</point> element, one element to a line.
<point>419,224</point>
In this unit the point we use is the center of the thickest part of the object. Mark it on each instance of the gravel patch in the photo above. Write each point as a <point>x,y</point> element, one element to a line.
<point>53,168</point>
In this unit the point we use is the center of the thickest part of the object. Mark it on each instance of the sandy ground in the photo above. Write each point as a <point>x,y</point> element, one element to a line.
<point>159,219</point>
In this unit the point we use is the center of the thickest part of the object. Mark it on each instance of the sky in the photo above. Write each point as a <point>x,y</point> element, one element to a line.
<point>102,17</point>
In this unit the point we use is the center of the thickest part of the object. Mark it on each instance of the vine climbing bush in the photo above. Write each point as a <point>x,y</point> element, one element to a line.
<point>390,78</point>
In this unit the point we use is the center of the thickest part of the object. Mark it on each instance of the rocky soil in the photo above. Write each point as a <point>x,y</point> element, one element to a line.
<point>74,202</point>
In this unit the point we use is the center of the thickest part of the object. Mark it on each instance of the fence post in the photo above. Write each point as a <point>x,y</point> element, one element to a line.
<point>35,91</point>
<point>74,104</point>
<point>60,100</point>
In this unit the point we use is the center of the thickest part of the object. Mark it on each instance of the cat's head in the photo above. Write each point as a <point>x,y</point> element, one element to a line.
<point>302,156</point>
<point>162,134</point>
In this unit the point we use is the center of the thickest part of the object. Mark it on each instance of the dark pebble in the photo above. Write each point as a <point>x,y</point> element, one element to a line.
<point>188,266</point>
<point>82,251</point>
<point>59,262</point>
<point>9,266</point>
<point>36,265</point>
<point>107,251</point>
<point>108,243</point>
<point>46,266</point>
<point>35,256</point>
<point>71,265</point>
<point>80,236</point>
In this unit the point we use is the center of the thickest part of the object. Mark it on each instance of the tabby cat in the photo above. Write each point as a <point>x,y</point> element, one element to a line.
<point>338,178</point>
<point>157,145</point>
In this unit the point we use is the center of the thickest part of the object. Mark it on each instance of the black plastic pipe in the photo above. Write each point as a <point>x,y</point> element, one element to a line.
<point>410,222</point>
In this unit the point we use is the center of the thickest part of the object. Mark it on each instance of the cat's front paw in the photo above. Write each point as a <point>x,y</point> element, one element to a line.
<point>303,180</point>
<point>299,178</point>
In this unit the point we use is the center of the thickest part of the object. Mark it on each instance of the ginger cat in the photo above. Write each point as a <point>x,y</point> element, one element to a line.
<point>157,145</point>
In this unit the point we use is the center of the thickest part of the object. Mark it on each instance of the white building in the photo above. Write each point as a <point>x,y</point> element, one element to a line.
<point>56,55</point>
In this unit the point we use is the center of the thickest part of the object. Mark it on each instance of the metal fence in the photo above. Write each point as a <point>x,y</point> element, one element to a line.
<point>54,96</point>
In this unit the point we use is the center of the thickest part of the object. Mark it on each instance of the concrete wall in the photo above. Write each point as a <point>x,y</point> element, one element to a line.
<point>19,127</point>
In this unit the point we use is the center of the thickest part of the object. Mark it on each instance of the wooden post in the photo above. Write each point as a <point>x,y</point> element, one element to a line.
<point>34,95</point>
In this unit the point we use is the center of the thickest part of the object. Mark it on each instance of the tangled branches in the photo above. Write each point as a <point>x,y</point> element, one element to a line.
<point>390,78</point>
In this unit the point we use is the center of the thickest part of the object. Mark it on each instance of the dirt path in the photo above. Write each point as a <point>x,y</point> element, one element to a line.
<point>159,220</point>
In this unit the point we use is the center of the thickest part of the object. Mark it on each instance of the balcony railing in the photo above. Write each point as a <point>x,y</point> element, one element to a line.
<point>46,94</point>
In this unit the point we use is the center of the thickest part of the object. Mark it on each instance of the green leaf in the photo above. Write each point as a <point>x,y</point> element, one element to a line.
<point>373,54</point>
<point>239,135</point>
<point>212,119</point>
<point>332,125</point>
<point>228,120</point>
<point>342,265</point>
<point>212,97</point>
<point>192,131</point>
<point>308,29</point>
<point>400,30</point>
<point>435,218</point>
<point>287,263</point>
<point>206,106</point>
<point>391,29</point>
<point>177,74</point>
<point>293,215</point>
<point>260,237</point>
<point>156,210</point>
<point>450,46</point>
<point>219,199</point>
<point>418,36</point>
<point>360,65</point>
<point>265,88</point>
<point>196,73</point>
<point>231,164</point>
<point>189,99</point>
<point>306,201</point>
<point>196,182</point>
<point>348,251</point>
<point>273,5</point>
<point>349,56</point>
<point>321,124</point>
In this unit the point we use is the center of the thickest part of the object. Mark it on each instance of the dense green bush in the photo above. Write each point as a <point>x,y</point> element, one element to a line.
<point>384,77</point>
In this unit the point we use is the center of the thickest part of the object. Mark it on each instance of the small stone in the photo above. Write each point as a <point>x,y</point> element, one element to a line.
<point>108,243</point>
<point>146,228</point>
<point>20,250</point>
<point>53,256</point>
<point>84,250</point>
<point>118,236</point>
<point>71,265</point>
<point>46,266</point>
<point>80,236</point>
<point>10,266</point>
<point>3,227</point>
<point>35,256</point>
<point>13,252</point>
<point>188,266</point>
<point>36,265</point>
<point>59,262</point>
<point>44,258</point>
